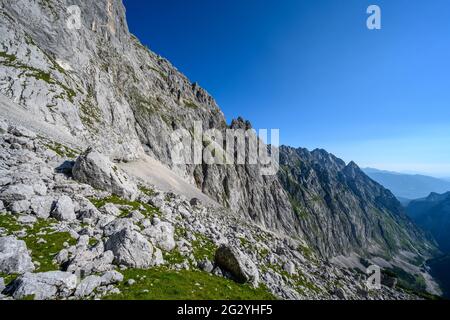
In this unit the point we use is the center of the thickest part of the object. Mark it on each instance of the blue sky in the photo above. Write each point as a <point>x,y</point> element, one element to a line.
<point>313,70</point>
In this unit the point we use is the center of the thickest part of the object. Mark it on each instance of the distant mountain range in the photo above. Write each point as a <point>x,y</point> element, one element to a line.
<point>408,186</point>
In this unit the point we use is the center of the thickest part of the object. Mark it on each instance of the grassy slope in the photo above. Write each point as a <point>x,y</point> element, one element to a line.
<point>43,253</point>
<point>154,284</point>
<point>165,284</point>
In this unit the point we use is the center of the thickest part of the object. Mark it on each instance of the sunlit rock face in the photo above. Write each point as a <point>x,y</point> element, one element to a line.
<point>99,84</point>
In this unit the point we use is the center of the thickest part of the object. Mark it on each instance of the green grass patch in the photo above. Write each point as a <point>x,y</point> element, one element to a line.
<point>10,61</point>
<point>411,283</point>
<point>45,252</point>
<point>164,284</point>
<point>173,257</point>
<point>244,242</point>
<point>203,248</point>
<point>147,210</point>
<point>8,57</point>
<point>90,114</point>
<point>190,104</point>
<point>307,252</point>
<point>147,191</point>
<point>42,229</point>
<point>8,278</point>
<point>9,222</point>
<point>62,150</point>
<point>263,252</point>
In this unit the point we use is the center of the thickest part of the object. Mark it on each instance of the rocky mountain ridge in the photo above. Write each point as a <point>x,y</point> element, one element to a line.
<point>64,239</point>
<point>101,87</point>
<point>346,208</point>
<point>108,90</point>
<point>433,215</point>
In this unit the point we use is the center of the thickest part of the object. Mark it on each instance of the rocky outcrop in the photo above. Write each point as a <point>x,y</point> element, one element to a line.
<point>110,232</point>
<point>2,286</point>
<point>235,262</point>
<point>131,249</point>
<point>161,234</point>
<point>14,256</point>
<point>86,259</point>
<point>64,209</point>
<point>17,192</point>
<point>341,210</point>
<point>115,94</point>
<point>90,283</point>
<point>95,169</point>
<point>43,286</point>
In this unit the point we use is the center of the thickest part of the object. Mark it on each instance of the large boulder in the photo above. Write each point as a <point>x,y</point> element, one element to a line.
<point>3,126</point>
<point>14,256</point>
<point>131,249</point>
<point>43,286</point>
<point>87,261</point>
<point>110,209</point>
<point>118,225</point>
<point>90,283</point>
<point>161,234</point>
<point>16,192</point>
<point>20,131</point>
<point>41,206</point>
<point>237,264</point>
<point>86,210</point>
<point>95,169</point>
<point>21,206</point>
<point>64,209</point>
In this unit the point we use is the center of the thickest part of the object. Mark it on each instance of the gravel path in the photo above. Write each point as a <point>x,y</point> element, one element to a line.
<point>155,173</point>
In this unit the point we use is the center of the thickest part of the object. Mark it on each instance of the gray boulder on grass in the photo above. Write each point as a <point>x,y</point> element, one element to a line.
<point>14,256</point>
<point>238,264</point>
<point>41,206</point>
<point>161,234</point>
<point>64,209</point>
<point>131,249</point>
<point>43,286</point>
<point>95,169</point>
<point>16,192</point>
<point>90,283</point>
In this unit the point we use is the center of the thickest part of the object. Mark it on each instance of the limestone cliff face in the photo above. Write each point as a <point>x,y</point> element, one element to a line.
<point>108,90</point>
<point>98,81</point>
<point>342,210</point>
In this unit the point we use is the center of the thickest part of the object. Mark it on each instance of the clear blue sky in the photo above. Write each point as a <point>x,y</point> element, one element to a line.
<point>312,69</point>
